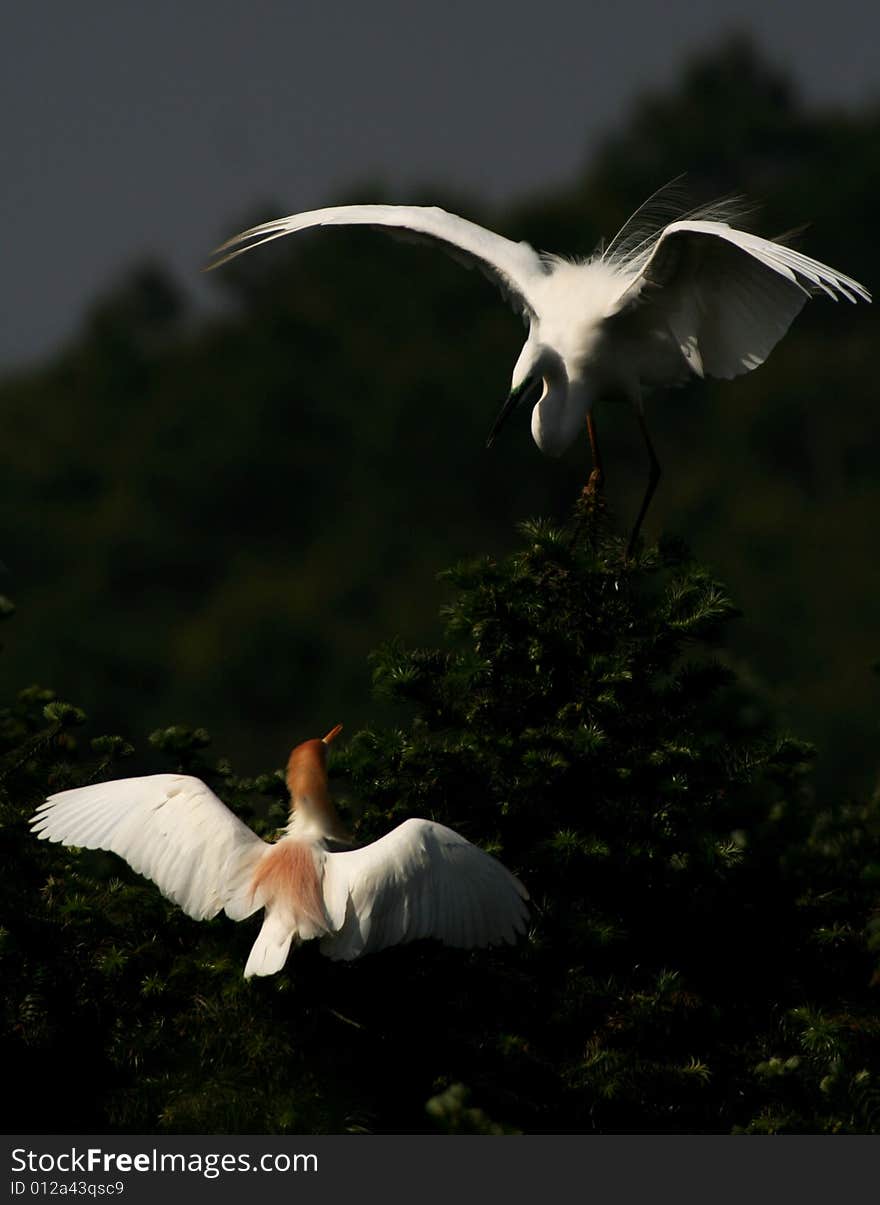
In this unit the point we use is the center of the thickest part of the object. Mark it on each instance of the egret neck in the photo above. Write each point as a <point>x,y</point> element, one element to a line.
<point>312,814</point>
<point>559,416</point>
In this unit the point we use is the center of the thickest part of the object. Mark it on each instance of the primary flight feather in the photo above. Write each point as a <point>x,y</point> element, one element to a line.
<point>420,880</point>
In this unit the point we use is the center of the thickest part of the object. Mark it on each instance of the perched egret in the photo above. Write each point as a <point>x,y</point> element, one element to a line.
<point>420,880</point>
<point>660,304</point>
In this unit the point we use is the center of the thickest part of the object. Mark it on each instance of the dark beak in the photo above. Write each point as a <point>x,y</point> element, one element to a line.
<point>530,390</point>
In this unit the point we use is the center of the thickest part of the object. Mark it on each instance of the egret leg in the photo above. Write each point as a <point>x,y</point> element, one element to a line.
<point>653,479</point>
<point>597,476</point>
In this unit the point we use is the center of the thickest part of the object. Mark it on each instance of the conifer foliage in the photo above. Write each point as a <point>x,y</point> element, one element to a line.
<point>702,939</point>
<point>691,911</point>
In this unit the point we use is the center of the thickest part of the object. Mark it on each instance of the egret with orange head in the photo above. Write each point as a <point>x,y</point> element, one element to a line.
<point>420,880</point>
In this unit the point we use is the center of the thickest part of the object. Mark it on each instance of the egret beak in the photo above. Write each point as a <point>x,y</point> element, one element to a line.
<point>529,390</point>
<point>334,732</point>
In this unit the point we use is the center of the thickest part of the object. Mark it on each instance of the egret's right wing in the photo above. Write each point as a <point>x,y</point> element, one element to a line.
<point>169,827</point>
<point>420,880</point>
<point>514,267</point>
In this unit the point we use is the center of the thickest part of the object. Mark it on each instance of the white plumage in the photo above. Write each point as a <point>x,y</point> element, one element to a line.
<point>420,880</point>
<point>170,828</point>
<point>661,303</point>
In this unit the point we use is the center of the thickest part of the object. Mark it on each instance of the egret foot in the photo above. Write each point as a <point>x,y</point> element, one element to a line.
<point>595,486</point>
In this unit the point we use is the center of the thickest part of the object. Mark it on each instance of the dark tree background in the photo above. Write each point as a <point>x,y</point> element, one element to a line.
<point>703,944</point>
<point>214,521</point>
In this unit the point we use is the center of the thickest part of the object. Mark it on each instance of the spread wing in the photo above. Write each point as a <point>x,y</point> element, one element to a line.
<point>421,880</point>
<point>169,827</point>
<point>514,267</point>
<point>727,296</point>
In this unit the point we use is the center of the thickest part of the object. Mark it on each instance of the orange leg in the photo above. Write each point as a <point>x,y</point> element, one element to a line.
<point>597,476</point>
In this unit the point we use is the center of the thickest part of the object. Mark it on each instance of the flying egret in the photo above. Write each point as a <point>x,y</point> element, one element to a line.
<point>420,880</point>
<point>658,305</point>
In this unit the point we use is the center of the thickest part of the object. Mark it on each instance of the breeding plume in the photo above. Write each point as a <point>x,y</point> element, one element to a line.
<point>658,305</point>
<point>420,880</point>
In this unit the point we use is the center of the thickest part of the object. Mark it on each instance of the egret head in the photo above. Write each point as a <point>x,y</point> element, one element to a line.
<point>307,782</point>
<point>540,379</point>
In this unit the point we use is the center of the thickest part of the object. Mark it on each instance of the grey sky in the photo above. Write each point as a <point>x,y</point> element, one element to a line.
<point>132,129</point>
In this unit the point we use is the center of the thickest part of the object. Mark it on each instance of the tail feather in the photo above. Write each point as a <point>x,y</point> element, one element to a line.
<point>270,950</point>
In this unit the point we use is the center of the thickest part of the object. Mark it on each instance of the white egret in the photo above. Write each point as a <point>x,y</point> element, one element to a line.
<point>658,305</point>
<point>420,880</point>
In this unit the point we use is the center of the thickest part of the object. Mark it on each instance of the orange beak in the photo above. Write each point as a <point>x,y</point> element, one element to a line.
<point>332,734</point>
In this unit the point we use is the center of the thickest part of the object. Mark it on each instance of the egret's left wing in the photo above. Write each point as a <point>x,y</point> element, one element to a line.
<point>421,880</point>
<point>171,828</point>
<point>727,296</point>
<point>514,267</point>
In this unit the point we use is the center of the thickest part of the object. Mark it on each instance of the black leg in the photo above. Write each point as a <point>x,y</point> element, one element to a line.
<point>653,479</point>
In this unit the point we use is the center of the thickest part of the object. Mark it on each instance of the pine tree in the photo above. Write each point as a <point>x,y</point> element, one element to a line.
<point>702,941</point>
<point>699,958</point>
